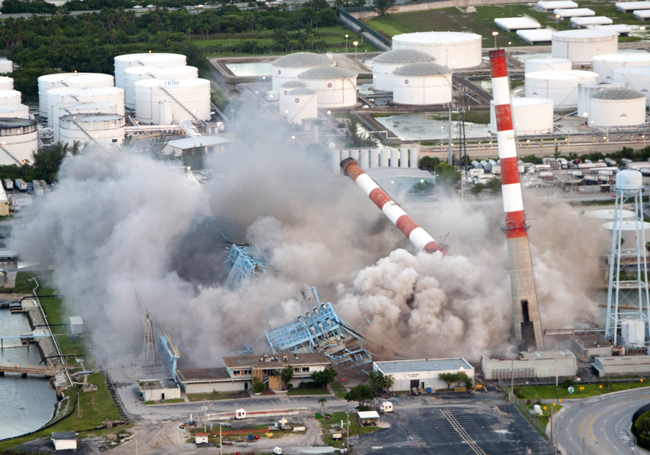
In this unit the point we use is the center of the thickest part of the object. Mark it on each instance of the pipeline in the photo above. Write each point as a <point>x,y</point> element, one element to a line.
<point>418,236</point>
<point>527,326</point>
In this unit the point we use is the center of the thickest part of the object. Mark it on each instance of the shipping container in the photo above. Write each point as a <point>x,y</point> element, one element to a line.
<point>9,184</point>
<point>21,185</point>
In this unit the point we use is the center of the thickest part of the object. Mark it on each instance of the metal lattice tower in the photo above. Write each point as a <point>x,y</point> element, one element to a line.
<point>244,265</point>
<point>149,343</point>
<point>628,269</point>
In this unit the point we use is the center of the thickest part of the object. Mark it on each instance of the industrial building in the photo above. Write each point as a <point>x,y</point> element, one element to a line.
<point>587,346</point>
<point>532,365</point>
<point>637,365</point>
<point>422,374</point>
<point>158,390</point>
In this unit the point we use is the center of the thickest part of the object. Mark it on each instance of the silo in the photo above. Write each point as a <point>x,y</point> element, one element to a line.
<point>617,107</point>
<point>530,116</point>
<point>10,97</point>
<point>547,64</point>
<point>302,104</point>
<point>385,64</point>
<point>123,62</point>
<point>581,46</point>
<point>452,49</point>
<point>589,88</point>
<point>86,95</point>
<point>334,86</point>
<point>188,99</point>
<point>69,80</point>
<point>18,140</point>
<point>422,84</point>
<point>14,111</point>
<point>6,66</point>
<point>6,83</point>
<point>63,109</point>
<point>284,91</point>
<point>288,67</point>
<point>100,129</point>
<point>635,77</point>
<point>606,65</point>
<point>164,73</point>
<point>560,86</point>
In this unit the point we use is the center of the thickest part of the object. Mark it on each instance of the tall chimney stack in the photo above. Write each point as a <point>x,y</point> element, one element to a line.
<point>527,325</point>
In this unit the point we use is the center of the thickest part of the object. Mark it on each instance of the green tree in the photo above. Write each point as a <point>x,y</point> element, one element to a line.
<point>287,375</point>
<point>494,185</point>
<point>428,163</point>
<point>476,189</point>
<point>447,175</point>
<point>382,6</point>
<point>362,394</point>
<point>356,137</point>
<point>381,381</point>
<point>323,378</point>
<point>556,151</point>
<point>568,382</point>
<point>258,385</point>
<point>194,157</point>
<point>47,161</point>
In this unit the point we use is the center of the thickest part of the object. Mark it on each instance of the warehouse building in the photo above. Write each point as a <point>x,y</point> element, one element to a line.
<point>423,373</point>
<point>590,345</point>
<point>621,366</point>
<point>158,390</point>
<point>532,365</point>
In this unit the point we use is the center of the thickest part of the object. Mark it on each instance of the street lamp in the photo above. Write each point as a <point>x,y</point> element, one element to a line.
<point>557,22</point>
<point>355,44</point>
<point>346,44</point>
<point>495,34</point>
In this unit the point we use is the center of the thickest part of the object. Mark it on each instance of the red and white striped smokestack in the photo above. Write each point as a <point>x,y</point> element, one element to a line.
<point>524,295</point>
<point>418,236</point>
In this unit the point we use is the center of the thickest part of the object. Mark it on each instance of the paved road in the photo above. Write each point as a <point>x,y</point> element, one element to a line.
<point>603,422</point>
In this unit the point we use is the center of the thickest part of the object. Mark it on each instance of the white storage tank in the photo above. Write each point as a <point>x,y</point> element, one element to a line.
<point>589,88</point>
<point>184,99</point>
<point>581,46</point>
<point>529,116</point>
<point>617,107</point>
<point>14,111</point>
<point>452,49</point>
<point>547,64</point>
<point>63,109</point>
<point>633,332</point>
<point>69,80</point>
<point>560,86</point>
<point>10,97</point>
<point>422,84</point>
<point>123,62</point>
<point>6,83</point>
<point>19,140</point>
<point>164,73</point>
<point>335,86</point>
<point>104,129</point>
<point>635,77</point>
<point>385,64</point>
<point>606,65</point>
<point>284,91</point>
<point>288,67</point>
<point>302,103</point>
<point>6,66</point>
<point>85,95</point>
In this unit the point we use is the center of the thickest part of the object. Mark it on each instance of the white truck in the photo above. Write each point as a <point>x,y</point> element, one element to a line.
<point>21,185</point>
<point>9,184</point>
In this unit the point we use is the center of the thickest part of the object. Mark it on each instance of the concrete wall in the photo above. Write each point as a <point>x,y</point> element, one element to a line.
<point>434,5</point>
<point>161,394</point>
<point>588,355</point>
<point>607,370</point>
<point>209,387</point>
<point>543,368</point>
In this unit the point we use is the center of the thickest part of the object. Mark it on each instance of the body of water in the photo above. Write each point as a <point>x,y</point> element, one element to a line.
<point>250,69</point>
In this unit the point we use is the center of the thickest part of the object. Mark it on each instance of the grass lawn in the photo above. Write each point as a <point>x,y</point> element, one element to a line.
<point>315,391</point>
<point>212,396</point>
<point>546,411</point>
<point>339,389</point>
<point>336,418</point>
<point>550,391</point>
<point>24,284</point>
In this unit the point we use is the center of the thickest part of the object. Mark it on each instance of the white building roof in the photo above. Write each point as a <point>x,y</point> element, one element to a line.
<point>302,60</point>
<point>76,320</point>
<point>410,366</point>
<point>574,12</point>
<point>617,94</point>
<point>621,29</point>
<point>516,23</point>
<point>593,20</point>
<point>642,14</point>
<point>564,4</point>
<point>368,414</point>
<point>536,36</point>
<point>404,56</point>
<point>199,141</point>
<point>437,37</point>
<point>632,6</point>
<point>326,72</point>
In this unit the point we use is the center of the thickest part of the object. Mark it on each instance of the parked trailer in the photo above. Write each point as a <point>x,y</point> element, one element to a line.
<point>496,169</point>
<point>9,184</point>
<point>486,166</point>
<point>21,185</point>
<point>38,189</point>
<point>610,162</point>
<point>591,179</point>
<point>476,164</point>
<point>45,186</point>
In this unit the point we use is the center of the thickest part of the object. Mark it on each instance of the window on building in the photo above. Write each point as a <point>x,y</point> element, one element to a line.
<point>296,370</point>
<point>305,369</point>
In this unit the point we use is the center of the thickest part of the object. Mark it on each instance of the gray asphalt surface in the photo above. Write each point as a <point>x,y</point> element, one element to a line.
<point>603,422</point>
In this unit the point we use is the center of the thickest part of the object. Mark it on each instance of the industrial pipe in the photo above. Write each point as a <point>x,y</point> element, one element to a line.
<point>524,294</point>
<point>418,236</point>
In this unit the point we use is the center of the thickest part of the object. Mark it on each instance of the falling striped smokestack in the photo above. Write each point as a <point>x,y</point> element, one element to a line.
<point>418,236</point>
<point>524,295</point>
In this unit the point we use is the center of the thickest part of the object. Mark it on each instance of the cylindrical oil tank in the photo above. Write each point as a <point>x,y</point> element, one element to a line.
<point>547,64</point>
<point>581,46</point>
<point>63,109</point>
<point>422,84</point>
<point>14,111</point>
<point>123,62</point>
<point>69,80</point>
<point>302,104</point>
<point>284,91</point>
<point>385,64</point>
<point>10,97</point>
<point>101,129</point>
<point>635,77</point>
<point>606,65</point>
<point>529,116</point>
<point>288,67</point>
<point>189,98</point>
<point>164,73</point>
<point>71,96</point>
<point>6,83</point>
<point>589,88</point>
<point>452,49</point>
<point>335,87</point>
<point>6,66</point>
<point>633,332</point>
<point>617,107</point>
<point>560,86</point>
<point>19,140</point>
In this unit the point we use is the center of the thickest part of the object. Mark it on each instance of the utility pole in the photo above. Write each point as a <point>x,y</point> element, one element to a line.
<point>552,444</point>
<point>348,435</point>
<point>449,157</point>
<point>556,369</point>
<point>512,382</point>
<point>220,441</point>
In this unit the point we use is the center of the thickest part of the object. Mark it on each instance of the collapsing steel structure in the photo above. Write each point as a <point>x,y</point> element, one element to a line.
<point>244,265</point>
<point>320,330</point>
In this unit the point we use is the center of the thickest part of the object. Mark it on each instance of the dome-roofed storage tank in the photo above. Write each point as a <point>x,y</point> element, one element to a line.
<point>101,129</point>
<point>617,107</point>
<point>123,62</point>
<point>606,65</point>
<point>288,67</point>
<point>302,104</point>
<point>14,111</point>
<point>635,77</point>
<point>589,88</point>
<point>421,84</point>
<point>547,64</point>
<point>69,80</point>
<point>18,140</point>
<point>560,86</point>
<point>529,116</point>
<point>10,97</point>
<point>581,46</point>
<point>61,110</point>
<point>334,86</point>
<point>452,49</point>
<point>6,66</point>
<point>184,99</point>
<point>385,64</point>
<point>6,83</point>
<point>284,91</point>
<point>85,95</point>
<point>162,73</point>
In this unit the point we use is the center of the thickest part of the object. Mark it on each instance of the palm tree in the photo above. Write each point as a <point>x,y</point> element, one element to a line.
<point>322,401</point>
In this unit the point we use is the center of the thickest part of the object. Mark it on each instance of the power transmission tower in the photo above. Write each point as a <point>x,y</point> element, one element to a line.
<point>149,344</point>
